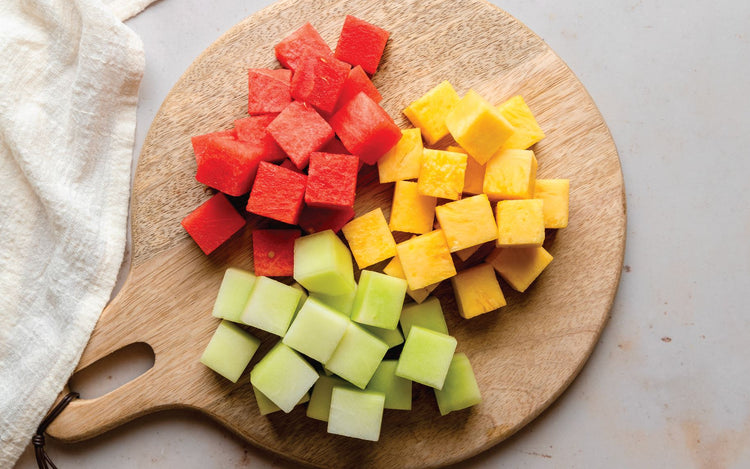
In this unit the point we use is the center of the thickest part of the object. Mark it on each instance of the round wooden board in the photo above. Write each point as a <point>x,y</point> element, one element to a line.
<point>524,355</point>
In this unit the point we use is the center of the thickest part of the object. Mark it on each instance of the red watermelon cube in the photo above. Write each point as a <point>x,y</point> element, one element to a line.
<point>318,81</point>
<point>226,164</point>
<point>277,193</point>
<point>269,91</point>
<point>213,222</point>
<point>300,130</point>
<point>357,82</point>
<point>287,163</point>
<point>254,130</point>
<point>361,43</point>
<point>331,180</point>
<point>304,41</point>
<point>316,219</point>
<point>273,252</point>
<point>335,146</point>
<point>201,142</point>
<point>365,129</point>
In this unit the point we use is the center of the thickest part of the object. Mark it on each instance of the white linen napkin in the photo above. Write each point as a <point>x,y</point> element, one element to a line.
<point>68,94</point>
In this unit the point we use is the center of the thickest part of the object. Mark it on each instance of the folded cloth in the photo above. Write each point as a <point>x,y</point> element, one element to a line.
<point>68,94</point>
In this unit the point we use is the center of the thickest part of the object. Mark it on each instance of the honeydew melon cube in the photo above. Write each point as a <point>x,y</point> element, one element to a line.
<point>428,314</point>
<point>341,303</point>
<point>229,350</point>
<point>397,390</point>
<point>271,306</point>
<point>302,299</point>
<point>320,398</point>
<point>391,337</point>
<point>266,405</point>
<point>323,264</point>
<point>355,413</point>
<point>233,294</point>
<point>357,356</point>
<point>316,331</point>
<point>283,376</point>
<point>426,357</point>
<point>460,389</point>
<point>379,299</point>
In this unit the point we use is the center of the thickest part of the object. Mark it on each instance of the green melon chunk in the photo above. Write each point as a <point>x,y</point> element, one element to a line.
<point>229,350</point>
<point>320,399</point>
<point>379,299</point>
<point>233,294</point>
<point>397,390</point>
<point>316,331</point>
<point>357,356</point>
<point>460,389</point>
<point>428,314</point>
<point>271,306</point>
<point>283,376</point>
<point>266,405</point>
<point>392,337</point>
<point>355,413</point>
<point>426,357</point>
<point>341,303</point>
<point>323,264</point>
<point>302,299</point>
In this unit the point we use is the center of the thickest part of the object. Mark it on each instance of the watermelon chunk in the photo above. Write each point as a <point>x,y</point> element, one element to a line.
<point>277,193</point>
<point>361,43</point>
<point>317,219</point>
<point>273,252</point>
<point>254,130</point>
<point>304,41</point>
<point>331,180</point>
<point>335,146</point>
<point>357,81</point>
<point>318,81</point>
<point>225,164</point>
<point>213,222</point>
<point>201,143</point>
<point>269,91</point>
<point>300,130</point>
<point>287,163</point>
<point>365,129</point>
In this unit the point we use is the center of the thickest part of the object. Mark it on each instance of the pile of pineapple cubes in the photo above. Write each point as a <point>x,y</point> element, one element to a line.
<point>458,185</point>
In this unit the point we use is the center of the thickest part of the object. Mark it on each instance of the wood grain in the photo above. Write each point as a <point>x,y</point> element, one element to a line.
<point>524,355</point>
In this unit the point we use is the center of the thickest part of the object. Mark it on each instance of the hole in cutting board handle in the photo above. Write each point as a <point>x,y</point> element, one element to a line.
<point>116,369</point>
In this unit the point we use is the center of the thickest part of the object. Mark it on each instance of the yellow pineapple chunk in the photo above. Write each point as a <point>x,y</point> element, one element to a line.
<point>477,291</point>
<point>369,238</point>
<point>467,222</point>
<point>478,127</point>
<point>394,269</point>
<point>426,259</point>
<point>510,174</point>
<point>520,223</point>
<point>517,112</point>
<point>428,112</point>
<point>474,177</point>
<point>519,266</point>
<point>442,174</point>
<point>466,253</point>
<point>555,193</point>
<point>403,160</point>
<point>411,212</point>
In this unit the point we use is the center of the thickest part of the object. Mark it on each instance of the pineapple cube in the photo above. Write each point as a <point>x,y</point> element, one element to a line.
<point>520,223</point>
<point>394,269</point>
<point>442,174</point>
<point>474,176</point>
<point>478,127</point>
<point>519,267</point>
<point>466,253</point>
<point>517,112</point>
<point>554,193</point>
<point>426,259</point>
<point>477,291</point>
<point>403,160</point>
<point>428,112</point>
<point>510,174</point>
<point>411,212</point>
<point>369,238</point>
<point>467,222</point>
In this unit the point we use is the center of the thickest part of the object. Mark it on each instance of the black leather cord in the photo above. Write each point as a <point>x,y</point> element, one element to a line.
<point>42,459</point>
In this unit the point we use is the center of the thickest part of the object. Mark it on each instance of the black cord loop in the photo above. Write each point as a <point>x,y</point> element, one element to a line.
<point>42,460</point>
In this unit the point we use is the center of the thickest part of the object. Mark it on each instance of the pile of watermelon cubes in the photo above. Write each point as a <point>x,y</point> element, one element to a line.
<point>311,126</point>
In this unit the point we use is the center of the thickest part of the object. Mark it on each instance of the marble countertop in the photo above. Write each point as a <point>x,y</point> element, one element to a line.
<point>668,383</point>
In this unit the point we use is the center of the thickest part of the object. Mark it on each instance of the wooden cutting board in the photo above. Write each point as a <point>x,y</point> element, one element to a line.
<point>524,355</point>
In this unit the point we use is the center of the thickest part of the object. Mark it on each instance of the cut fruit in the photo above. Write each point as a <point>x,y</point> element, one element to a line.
<point>555,194</point>
<point>304,41</point>
<point>520,223</point>
<point>300,130</point>
<point>271,306</point>
<point>268,90</point>
<point>357,82</point>
<point>394,269</point>
<point>379,300</point>
<point>510,174</point>
<point>277,193</point>
<point>460,389</point>
<point>397,390</point>
<point>519,266</point>
<point>442,174</point>
<point>230,350</point>
<point>361,43</point>
<point>391,337</point>
<point>266,405</point>
<point>316,219</point>
<point>331,180</point>
<point>426,259</point>
<point>428,112</point>
<point>226,164</point>
<point>426,357</point>
<point>316,331</point>
<point>517,112</point>
<point>369,238</point>
<point>273,252</point>
<point>341,303</point>
<point>318,81</point>
<point>320,399</point>
<point>213,222</point>
<point>253,130</point>
<point>323,264</point>
<point>283,376</point>
<point>428,314</point>
<point>412,212</point>
<point>404,160</point>
<point>467,222</point>
<point>357,356</point>
<point>477,291</point>
<point>355,413</point>
<point>233,294</point>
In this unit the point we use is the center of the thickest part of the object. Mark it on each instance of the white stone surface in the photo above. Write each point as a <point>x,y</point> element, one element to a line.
<point>668,385</point>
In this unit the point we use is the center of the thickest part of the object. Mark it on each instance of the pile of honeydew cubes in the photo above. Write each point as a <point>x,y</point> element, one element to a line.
<point>334,334</point>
